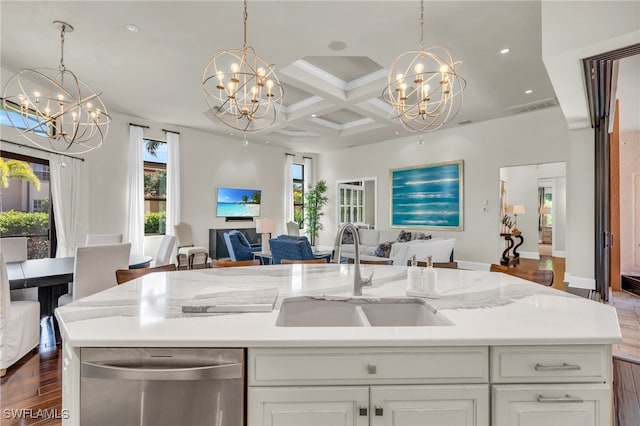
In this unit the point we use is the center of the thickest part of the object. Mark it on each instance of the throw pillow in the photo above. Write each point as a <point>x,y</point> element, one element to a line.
<point>384,249</point>
<point>404,237</point>
<point>347,237</point>
<point>423,236</point>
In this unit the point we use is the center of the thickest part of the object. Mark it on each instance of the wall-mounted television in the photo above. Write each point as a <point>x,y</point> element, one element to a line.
<point>236,202</point>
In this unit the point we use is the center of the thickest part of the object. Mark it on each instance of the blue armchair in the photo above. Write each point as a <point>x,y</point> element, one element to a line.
<point>239,247</point>
<point>292,248</point>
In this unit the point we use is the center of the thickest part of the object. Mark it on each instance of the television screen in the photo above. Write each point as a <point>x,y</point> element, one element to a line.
<point>234,202</point>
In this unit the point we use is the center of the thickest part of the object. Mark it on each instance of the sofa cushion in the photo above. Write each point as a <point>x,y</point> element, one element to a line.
<point>369,237</point>
<point>423,236</point>
<point>384,249</point>
<point>347,237</point>
<point>404,236</point>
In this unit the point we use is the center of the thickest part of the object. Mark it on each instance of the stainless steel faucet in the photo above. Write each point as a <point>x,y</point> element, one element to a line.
<point>358,281</point>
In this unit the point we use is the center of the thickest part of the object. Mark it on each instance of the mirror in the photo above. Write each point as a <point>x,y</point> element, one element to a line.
<point>539,189</point>
<point>357,202</point>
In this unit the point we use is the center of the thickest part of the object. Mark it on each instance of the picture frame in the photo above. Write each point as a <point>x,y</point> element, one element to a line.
<point>429,196</point>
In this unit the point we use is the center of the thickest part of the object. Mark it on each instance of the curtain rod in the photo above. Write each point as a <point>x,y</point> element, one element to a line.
<point>170,131</point>
<point>305,158</point>
<point>40,149</point>
<point>138,125</point>
<point>288,153</point>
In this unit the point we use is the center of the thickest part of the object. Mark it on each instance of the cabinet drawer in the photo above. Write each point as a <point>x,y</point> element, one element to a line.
<point>269,367</point>
<point>548,404</point>
<point>547,364</point>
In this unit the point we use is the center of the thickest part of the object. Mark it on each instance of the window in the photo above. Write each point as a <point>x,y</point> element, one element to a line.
<point>155,186</point>
<point>24,208</point>
<point>12,117</point>
<point>298,194</point>
<point>351,208</point>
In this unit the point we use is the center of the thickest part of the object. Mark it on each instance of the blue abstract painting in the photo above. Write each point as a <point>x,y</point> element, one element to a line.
<point>428,196</point>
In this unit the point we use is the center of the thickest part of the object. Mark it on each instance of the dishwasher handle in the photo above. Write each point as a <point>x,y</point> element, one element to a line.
<point>105,371</point>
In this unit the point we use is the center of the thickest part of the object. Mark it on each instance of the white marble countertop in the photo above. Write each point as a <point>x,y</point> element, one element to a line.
<point>486,309</point>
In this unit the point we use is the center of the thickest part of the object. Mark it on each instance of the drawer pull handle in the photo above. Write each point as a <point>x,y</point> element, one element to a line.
<point>379,411</point>
<point>557,367</point>
<point>566,398</point>
<point>364,411</point>
<point>372,369</point>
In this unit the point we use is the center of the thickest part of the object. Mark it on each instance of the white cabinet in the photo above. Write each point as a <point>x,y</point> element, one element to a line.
<point>441,405</point>
<point>551,385</point>
<point>309,405</point>
<point>378,386</point>
<point>551,405</point>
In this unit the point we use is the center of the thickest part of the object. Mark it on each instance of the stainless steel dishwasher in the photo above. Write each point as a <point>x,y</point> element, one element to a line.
<point>162,386</point>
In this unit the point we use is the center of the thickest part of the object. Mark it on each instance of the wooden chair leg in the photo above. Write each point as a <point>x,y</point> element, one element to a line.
<point>3,372</point>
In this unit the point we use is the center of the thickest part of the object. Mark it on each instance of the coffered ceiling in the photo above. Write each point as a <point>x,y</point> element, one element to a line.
<point>331,57</point>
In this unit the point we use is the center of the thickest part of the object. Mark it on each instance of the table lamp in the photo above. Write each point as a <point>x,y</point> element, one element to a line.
<point>516,209</point>
<point>265,227</point>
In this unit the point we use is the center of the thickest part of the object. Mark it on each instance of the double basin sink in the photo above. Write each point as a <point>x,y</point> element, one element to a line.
<point>353,312</point>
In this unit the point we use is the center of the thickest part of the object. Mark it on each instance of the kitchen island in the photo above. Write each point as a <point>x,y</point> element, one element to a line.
<point>503,351</point>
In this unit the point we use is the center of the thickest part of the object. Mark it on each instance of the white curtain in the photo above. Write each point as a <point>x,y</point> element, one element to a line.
<point>65,191</point>
<point>135,217</point>
<point>288,189</point>
<point>308,172</point>
<point>173,181</point>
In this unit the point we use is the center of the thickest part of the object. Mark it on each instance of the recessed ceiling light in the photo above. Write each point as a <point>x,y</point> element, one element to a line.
<point>337,45</point>
<point>132,27</point>
<point>314,115</point>
<point>266,141</point>
<point>504,51</point>
<point>397,133</point>
<point>528,91</point>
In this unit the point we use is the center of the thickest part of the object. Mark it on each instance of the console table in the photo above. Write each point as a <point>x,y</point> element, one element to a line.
<point>507,260</point>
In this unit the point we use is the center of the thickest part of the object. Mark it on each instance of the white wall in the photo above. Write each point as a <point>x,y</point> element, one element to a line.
<point>536,137</point>
<point>629,203</point>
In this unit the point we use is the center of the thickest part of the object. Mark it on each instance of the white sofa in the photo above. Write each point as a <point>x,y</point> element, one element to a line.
<point>441,249</point>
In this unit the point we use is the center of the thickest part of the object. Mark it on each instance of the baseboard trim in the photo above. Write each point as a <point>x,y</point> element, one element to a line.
<point>474,266</point>
<point>559,253</point>
<point>579,282</point>
<point>530,255</point>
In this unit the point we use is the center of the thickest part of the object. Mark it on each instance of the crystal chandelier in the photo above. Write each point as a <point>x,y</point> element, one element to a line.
<point>423,86</point>
<point>55,110</point>
<point>241,89</point>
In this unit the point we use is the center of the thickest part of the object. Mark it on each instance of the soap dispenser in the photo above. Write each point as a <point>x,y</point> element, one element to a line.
<point>430,278</point>
<point>414,277</point>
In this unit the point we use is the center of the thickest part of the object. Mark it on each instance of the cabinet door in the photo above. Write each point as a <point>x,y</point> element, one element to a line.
<point>441,405</point>
<point>551,405</point>
<point>308,406</point>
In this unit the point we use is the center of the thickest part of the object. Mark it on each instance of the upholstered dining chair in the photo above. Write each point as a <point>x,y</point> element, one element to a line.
<point>94,239</point>
<point>293,229</point>
<point>232,263</point>
<point>94,269</point>
<point>165,250</point>
<point>539,276</point>
<point>188,254</point>
<point>14,249</point>
<point>124,275</point>
<point>19,324</point>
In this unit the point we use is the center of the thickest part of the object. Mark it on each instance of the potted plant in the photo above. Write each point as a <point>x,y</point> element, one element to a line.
<point>314,200</point>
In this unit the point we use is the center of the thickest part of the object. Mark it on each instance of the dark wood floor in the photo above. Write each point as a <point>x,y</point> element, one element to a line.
<point>32,388</point>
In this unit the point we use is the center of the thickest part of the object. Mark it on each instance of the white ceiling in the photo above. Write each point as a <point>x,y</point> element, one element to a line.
<point>156,73</point>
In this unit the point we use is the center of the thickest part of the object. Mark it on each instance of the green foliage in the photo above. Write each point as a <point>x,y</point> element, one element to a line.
<point>155,223</point>
<point>44,207</point>
<point>297,218</point>
<point>155,183</point>
<point>16,169</point>
<point>506,221</point>
<point>15,224</point>
<point>255,197</point>
<point>314,201</point>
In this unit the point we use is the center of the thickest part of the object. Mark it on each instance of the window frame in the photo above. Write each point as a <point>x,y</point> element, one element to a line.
<point>301,182</point>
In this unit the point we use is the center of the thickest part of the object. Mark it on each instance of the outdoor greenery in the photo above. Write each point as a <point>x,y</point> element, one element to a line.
<point>35,226</point>
<point>314,200</point>
<point>155,183</point>
<point>155,223</point>
<point>16,169</point>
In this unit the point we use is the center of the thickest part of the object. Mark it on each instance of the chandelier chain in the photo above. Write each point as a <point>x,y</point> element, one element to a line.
<point>421,24</point>
<point>245,15</point>
<point>62,32</point>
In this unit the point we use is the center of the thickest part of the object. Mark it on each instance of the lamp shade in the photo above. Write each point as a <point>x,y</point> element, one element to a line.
<point>265,226</point>
<point>518,209</point>
<point>545,210</point>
